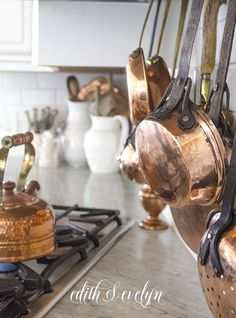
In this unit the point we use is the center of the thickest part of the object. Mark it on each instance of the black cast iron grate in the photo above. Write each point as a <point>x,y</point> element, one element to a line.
<point>20,288</point>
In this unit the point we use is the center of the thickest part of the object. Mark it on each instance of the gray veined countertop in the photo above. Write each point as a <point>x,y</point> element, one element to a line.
<point>140,256</point>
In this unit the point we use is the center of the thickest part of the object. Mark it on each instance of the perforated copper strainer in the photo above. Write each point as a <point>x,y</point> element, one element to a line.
<point>220,293</point>
<point>217,255</point>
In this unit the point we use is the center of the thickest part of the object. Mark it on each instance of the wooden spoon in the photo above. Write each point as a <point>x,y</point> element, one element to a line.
<point>73,88</point>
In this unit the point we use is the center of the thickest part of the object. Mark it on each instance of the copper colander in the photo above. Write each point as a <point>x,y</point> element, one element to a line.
<point>220,293</point>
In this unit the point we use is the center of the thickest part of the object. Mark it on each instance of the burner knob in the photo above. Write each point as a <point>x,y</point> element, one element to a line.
<point>9,187</point>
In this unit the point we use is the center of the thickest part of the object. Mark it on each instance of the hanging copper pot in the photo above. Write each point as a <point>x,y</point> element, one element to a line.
<point>182,168</point>
<point>180,149</point>
<point>27,223</point>
<point>191,221</point>
<point>146,80</point>
<point>155,70</point>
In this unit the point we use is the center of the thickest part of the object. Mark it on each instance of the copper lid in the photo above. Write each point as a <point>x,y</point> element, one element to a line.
<point>13,200</point>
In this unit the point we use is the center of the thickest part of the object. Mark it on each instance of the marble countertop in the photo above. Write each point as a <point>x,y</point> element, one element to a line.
<point>140,256</point>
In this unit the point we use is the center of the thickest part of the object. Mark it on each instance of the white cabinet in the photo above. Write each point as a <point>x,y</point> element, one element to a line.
<point>88,34</point>
<point>15,30</point>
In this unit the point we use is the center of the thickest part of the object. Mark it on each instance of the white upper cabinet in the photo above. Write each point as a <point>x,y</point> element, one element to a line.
<point>87,34</point>
<point>15,31</point>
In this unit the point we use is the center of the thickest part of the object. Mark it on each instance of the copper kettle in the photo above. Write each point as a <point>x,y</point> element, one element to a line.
<point>27,223</point>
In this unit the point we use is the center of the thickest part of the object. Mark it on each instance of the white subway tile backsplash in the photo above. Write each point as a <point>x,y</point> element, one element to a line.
<point>36,97</point>
<point>19,80</point>
<point>10,97</point>
<point>231,83</point>
<point>1,79</point>
<point>61,97</point>
<point>8,120</point>
<point>222,12</point>
<point>233,54</point>
<point>220,31</point>
<point>24,90</point>
<point>52,80</point>
<point>197,55</point>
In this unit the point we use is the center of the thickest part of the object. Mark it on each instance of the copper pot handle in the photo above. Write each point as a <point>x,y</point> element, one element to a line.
<point>13,141</point>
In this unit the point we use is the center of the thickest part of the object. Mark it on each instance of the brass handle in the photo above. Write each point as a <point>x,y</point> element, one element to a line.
<point>209,35</point>
<point>17,140</point>
<point>13,141</point>
<point>163,25</point>
<point>209,45</point>
<point>182,16</point>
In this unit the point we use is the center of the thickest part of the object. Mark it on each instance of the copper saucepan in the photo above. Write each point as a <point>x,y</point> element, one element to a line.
<point>180,150</point>
<point>129,164</point>
<point>147,81</point>
<point>27,223</point>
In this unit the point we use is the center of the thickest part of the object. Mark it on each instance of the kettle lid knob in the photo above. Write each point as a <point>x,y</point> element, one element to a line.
<point>9,187</point>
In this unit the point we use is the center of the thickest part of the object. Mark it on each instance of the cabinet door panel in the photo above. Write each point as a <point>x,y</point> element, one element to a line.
<point>92,34</point>
<point>15,30</point>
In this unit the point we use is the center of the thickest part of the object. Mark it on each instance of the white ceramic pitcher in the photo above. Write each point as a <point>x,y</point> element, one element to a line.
<point>103,143</point>
<point>78,122</point>
<point>49,151</point>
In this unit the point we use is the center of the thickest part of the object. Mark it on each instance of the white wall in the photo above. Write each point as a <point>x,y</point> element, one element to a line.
<point>20,91</point>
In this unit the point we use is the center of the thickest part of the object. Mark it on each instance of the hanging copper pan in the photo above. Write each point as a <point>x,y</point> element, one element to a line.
<point>147,81</point>
<point>27,223</point>
<point>191,221</point>
<point>129,164</point>
<point>180,150</point>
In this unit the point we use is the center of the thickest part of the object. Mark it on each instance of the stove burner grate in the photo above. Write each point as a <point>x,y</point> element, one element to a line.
<point>22,285</point>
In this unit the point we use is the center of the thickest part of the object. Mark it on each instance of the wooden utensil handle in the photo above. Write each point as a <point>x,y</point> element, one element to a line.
<point>17,140</point>
<point>210,35</point>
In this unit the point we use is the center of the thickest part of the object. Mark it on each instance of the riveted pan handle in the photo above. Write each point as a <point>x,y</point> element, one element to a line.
<point>29,155</point>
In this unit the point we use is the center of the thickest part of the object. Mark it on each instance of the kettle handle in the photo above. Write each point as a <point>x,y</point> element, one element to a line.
<point>13,141</point>
<point>124,132</point>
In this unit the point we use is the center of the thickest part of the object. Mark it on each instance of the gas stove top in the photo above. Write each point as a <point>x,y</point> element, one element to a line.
<point>83,236</point>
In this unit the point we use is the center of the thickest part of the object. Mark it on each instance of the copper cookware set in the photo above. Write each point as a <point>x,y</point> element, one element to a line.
<point>183,152</point>
<point>180,149</point>
<point>191,220</point>
<point>27,223</point>
<point>155,79</point>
